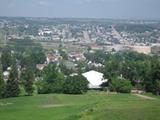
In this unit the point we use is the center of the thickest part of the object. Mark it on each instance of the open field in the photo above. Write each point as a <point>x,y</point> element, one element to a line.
<point>91,106</point>
<point>69,46</point>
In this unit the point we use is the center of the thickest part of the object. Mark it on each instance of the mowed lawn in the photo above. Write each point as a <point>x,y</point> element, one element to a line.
<point>91,106</point>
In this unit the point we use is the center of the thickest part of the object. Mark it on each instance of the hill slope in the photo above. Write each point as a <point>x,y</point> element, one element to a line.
<point>91,106</point>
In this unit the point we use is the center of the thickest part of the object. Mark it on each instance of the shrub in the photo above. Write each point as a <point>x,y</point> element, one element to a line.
<point>52,81</point>
<point>44,87</point>
<point>120,85</point>
<point>75,85</point>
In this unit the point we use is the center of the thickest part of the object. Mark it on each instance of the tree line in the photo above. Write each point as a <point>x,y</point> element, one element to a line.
<point>124,70</point>
<point>21,56</point>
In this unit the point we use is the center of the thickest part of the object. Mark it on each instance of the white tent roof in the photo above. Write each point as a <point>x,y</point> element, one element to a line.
<point>5,73</point>
<point>95,78</point>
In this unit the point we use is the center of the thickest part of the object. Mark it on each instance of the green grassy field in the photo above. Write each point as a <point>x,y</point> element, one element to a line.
<point>91,106</point>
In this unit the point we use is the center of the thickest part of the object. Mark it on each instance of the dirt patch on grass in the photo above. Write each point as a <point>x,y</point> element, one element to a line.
<point>5,104</point>
<point>144,97</point>
<point>53,105</point>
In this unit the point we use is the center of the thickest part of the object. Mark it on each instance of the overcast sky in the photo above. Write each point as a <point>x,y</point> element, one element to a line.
<point>117,9</point>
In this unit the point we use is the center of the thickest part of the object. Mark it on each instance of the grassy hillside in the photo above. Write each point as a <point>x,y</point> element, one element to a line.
<point>91,106</point>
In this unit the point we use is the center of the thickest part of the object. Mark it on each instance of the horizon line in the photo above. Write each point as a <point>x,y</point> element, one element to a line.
<point>49,17</point>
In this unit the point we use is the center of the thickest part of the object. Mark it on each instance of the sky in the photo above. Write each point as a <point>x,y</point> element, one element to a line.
<point>115,9</point>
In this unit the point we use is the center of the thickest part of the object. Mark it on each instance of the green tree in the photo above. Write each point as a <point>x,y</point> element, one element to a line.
<point>75,85</point>
<point>27,52</point>
<point>12,86</point>
<point>52,81</point>
<point>63,54</point>
<point>6,57</point>
<point>27,77</point>
<point>112,68</point>
<point>97,57</point>
<point>153,76</point>
<point>64,69</point>
<point>2,85</point>
<point>121,85</point>
<point>157,87</point>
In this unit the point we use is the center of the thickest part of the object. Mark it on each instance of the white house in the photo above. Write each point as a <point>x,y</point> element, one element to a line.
<point>94,78</point>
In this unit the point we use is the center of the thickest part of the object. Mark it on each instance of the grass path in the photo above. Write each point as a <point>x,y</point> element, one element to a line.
<point>53,105</point>
<point>145,97</point>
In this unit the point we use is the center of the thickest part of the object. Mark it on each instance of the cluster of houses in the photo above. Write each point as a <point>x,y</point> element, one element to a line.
<point>76,56</point>
<point>94,78</point>
<point>53,58</point>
